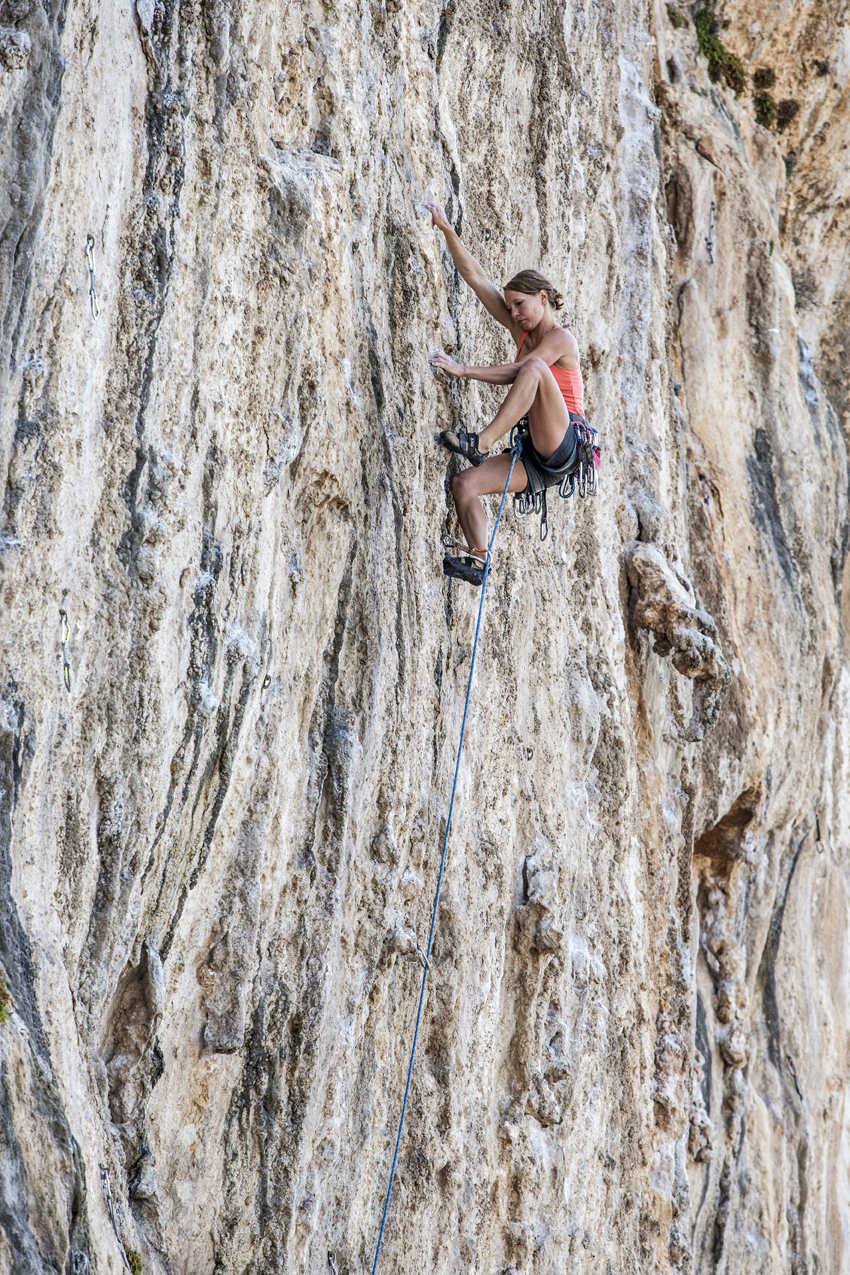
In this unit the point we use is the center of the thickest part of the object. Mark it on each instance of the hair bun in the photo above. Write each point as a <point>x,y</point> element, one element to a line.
<point>558,303</point>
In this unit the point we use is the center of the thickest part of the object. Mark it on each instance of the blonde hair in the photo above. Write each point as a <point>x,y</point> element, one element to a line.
<point>531,282</point>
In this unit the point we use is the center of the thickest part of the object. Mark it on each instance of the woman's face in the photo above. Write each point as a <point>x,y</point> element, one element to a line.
<point>526,310</point>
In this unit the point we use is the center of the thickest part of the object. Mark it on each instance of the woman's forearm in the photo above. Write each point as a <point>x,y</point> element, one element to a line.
<point>469,267</point>
<point>501,374</point>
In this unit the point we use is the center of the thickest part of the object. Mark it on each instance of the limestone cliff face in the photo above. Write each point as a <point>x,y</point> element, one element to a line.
<point>219,846</point>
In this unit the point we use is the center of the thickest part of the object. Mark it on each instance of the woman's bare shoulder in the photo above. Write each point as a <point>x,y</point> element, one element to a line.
<point>569,358</point>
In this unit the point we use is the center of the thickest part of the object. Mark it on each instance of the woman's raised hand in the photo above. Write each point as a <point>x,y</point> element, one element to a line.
<point>438,216</point>
<point>441,361</point>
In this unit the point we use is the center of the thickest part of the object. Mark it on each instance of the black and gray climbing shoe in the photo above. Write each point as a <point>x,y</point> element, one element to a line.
<point>464,444</point>
<point>464,569</point>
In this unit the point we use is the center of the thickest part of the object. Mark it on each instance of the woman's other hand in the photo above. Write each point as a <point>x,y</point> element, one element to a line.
<point>438,216</point>
<point>441,361</point>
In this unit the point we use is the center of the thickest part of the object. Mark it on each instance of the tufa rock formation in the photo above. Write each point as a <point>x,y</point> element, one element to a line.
<point>222,795</point>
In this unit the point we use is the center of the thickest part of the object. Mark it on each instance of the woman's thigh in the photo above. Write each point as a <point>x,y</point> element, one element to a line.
<point>490,477</point>
<point>548,417</point>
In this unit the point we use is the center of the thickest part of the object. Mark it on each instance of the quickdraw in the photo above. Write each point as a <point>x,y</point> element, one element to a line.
<point>449,542</point>
<point>590,456</point>
<point>106,1187</point>
<point>712,229</point>
<point>95,308</point>
<point>65,634</point>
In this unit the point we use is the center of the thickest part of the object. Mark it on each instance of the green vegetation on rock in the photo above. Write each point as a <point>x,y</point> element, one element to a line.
<point>765,109</point>
<point>7,1004</point>
<point>723,66</point>
<point>134,1260</point>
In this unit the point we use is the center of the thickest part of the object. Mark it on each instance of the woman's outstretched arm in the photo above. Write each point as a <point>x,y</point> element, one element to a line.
<point>554,346</point>
<point>472,272</point>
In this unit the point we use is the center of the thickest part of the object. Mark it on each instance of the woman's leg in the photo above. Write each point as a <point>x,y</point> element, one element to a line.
<point>534,392</point>
<point>487,479</point>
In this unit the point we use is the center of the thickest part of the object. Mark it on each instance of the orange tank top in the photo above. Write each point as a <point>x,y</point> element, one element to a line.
<point>569,383</point>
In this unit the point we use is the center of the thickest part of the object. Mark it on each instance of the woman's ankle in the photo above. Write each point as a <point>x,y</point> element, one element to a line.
<point>488,438</point>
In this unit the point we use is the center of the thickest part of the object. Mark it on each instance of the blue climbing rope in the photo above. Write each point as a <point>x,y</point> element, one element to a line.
<point>516,451</point>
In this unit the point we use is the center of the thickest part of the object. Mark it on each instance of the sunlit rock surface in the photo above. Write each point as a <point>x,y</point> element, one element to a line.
<point>218,849</point>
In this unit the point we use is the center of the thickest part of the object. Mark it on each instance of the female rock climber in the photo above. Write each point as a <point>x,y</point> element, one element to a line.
<point>546,385</point>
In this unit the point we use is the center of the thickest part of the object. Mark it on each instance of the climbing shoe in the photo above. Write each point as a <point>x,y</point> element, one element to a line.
<point>464,444</point>
<point>464,569</point>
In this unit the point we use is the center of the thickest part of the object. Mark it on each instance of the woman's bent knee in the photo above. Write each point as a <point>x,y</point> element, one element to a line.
<point>534,364</point>
<point>463,486</point>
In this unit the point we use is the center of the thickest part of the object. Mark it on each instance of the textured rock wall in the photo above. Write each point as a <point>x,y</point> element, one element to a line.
<point>218,849</point>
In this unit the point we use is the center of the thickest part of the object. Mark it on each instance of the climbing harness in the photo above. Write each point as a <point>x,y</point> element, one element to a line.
<point>95,308</point>
<point>712,227</point>
<point>65,635</point>
<point>581,465</point>
<point>516,452</point>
